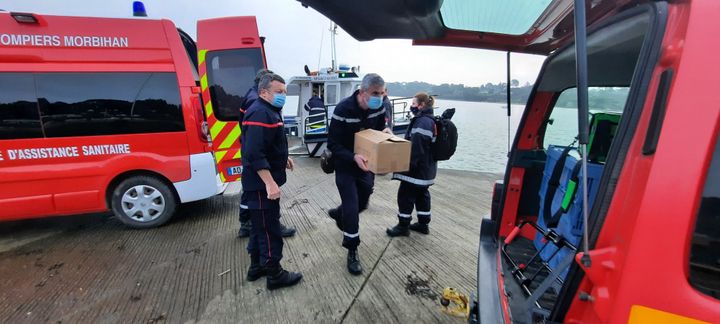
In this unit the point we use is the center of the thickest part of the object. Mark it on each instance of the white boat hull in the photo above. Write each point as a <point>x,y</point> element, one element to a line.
<point>315,149</point>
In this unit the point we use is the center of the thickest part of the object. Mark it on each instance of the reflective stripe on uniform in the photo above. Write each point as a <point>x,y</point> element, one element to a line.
<point>423,213</point>
<point>252,123</point>
<point>404,215</point>
<point>422,131</point>
<point>243,206</point>
<point>381,112</point>
<point>347,120</point>
<point>412,180</point>
<point>351,235</point>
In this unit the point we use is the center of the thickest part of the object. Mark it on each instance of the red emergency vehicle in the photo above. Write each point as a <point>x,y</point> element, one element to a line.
<point>99,113</point>
<point>624,227</point>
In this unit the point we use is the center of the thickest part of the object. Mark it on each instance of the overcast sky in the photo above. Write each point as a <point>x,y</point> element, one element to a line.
<point>295,35</point>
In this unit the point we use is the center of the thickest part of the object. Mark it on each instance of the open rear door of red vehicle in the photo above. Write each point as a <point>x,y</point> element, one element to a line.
<point>230,53</point>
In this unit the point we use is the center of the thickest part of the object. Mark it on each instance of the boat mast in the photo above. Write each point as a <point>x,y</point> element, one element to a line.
<point>333,32</point>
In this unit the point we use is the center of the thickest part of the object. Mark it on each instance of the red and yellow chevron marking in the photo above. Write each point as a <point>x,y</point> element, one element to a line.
<point>225,135</point>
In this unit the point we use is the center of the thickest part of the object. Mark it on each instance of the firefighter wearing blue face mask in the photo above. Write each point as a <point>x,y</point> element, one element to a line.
<point>362,110</point>
<point>265,158</point>
<point>250,97</point>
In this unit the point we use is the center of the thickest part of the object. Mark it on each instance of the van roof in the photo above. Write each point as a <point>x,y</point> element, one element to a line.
<point>140,44</point>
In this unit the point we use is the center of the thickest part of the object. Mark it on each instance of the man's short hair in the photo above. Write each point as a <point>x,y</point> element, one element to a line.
<point>371,80</point>
<point>267,79</point>
<point>260,74</point>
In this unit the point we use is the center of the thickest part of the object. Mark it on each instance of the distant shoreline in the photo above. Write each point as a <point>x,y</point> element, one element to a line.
<point>461,100</point>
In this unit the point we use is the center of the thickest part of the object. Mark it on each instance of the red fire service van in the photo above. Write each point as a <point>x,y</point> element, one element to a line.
<point>128,115</point>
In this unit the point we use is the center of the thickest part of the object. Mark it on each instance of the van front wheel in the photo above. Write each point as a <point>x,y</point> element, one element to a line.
<point>143,202</point>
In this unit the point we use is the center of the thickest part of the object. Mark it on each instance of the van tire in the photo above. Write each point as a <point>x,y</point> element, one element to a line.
<point>143,202</point>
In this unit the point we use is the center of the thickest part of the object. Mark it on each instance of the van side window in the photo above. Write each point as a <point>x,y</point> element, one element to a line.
<point>157,107</point>
<point>19,116</point>
<point>230,74</point>
<point>564,127</point>
<point>705,246</point>
<point>90,104</point>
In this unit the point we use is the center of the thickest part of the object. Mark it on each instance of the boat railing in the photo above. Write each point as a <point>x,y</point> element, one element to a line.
<point>314,123</point>
<point>317,123</point>
<point>403,113</point>
<point>400,108</point>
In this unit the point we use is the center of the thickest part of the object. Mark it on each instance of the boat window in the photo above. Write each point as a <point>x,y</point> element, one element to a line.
<point>562,127</point>
<point>705,246</point>
<point>230,74</point>
<point>514,17</point>
<point>345,89</point>
<point>331,94</point>
<point>19,116</point>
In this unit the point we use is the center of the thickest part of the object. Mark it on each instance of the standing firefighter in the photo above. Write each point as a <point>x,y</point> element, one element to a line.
<point>414,184</point>
<point>362,110</point>
<point>250,97</point>
<point>265,158</point>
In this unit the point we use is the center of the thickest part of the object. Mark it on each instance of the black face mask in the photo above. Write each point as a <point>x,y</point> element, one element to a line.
<point>415,110</point>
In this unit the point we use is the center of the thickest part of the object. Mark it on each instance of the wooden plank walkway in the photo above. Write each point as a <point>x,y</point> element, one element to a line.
<point>92,269</point>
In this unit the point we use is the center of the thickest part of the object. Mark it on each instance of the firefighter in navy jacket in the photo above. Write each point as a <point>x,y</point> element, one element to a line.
<point>250,97</point>
<point>414,184</point>
<point>362,110</point>
<point>265,158</point>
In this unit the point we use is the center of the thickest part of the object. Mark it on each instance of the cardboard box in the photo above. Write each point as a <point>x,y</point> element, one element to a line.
<point>385,152</point>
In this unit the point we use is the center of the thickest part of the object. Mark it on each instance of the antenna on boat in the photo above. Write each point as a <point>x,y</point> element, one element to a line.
<point>333,32</point>
<point>322,37</point>
<point>583,114</point>
<point>509,112</point>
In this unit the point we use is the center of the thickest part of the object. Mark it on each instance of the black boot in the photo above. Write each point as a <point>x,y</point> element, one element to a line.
<point>286,231</point>
<point>336,214</point>
<point>420,227</point>
<point>401,229</point>
<point>353,263</point>
<point>245,228</point>
<point>279,277</point>
<point>256,271</point>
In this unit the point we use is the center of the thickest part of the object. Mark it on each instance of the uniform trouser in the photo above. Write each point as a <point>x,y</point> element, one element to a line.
<point>409,196</point>
<point>244,214</point>
<point>266,236</point>
<point>355,190</point>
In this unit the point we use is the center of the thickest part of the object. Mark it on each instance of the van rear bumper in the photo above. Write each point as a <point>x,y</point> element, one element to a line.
<point>204,180</point>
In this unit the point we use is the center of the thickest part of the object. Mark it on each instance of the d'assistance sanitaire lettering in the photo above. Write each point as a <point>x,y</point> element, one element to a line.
<point>67,151</point>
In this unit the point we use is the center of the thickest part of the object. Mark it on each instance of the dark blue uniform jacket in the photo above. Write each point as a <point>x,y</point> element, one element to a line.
<point>423,167</point>
<point>264,145</point>
<point>348,119</point>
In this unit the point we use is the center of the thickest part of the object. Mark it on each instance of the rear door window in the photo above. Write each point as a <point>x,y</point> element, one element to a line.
<point>230,74</point>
